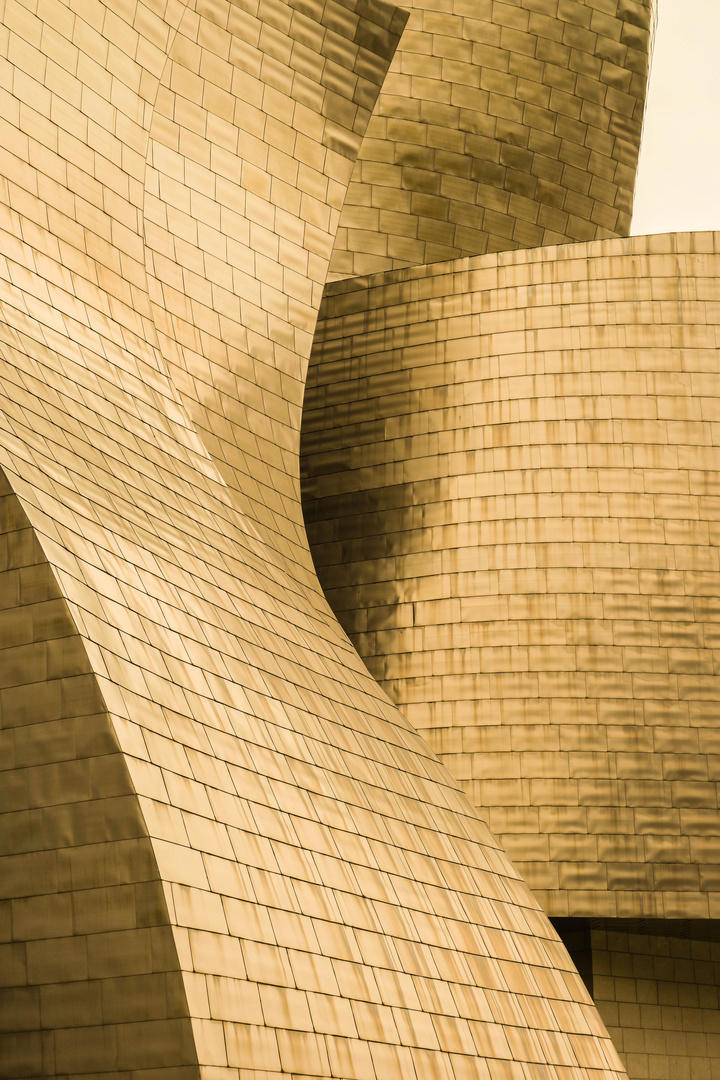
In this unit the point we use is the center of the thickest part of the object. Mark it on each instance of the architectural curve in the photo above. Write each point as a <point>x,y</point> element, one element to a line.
<point>320,898</point>
<point>253,137</point>
<point>511,469</point>
<point>500,126</point>
<point>88,954</point>
<point>513,509</point>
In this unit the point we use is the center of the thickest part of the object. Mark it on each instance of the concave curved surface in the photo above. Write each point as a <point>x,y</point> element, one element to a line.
<point>325,902</point>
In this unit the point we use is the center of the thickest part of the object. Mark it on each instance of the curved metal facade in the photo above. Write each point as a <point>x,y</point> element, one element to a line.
<point>500,125</point>
<point>512,499</point>
<point>224,852</point>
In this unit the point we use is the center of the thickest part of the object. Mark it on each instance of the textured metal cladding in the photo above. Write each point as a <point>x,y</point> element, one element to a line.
<point>241,202</point>
<point>526,557</point>
<point>264,870</point>
<point>500,126</point>
<point>87,950</point>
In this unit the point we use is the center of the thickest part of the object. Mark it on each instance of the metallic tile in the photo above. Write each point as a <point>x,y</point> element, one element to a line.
<point>223,843</point>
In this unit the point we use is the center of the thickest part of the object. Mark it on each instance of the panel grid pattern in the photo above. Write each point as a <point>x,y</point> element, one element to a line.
<point>658,994</point>
<point>512,472</point>
<point>331,904</point>
<point>500,126</point>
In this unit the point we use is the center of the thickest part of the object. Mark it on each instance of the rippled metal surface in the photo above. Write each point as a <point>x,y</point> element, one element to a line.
<point>500,126</point>
<point>223,852</point>
<point>523,547</point>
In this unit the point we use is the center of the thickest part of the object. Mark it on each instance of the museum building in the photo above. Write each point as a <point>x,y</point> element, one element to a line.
<point>249,246</point>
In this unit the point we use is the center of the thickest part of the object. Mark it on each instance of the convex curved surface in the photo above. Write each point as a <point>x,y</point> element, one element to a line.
<point>512,500</point>
<point>501,125</point>
<point>224,852</point>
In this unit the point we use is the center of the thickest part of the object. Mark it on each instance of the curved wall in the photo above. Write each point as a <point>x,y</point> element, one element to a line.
<point>501,125</point>
<point>255,128</point>
<point>223,851</point>
<point>512,472</point>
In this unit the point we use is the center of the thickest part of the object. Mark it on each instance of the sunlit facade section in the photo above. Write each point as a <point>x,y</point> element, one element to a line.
<point>501,125</point>
<point>224,853</point>
<point>513,469</point>
<point>512,480</point>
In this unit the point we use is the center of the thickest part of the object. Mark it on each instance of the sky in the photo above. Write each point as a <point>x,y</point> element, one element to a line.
<point>678,183</point>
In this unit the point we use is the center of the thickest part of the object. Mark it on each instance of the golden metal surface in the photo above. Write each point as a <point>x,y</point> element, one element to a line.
<point>500,126</point>
<point>224,852</point>
<point>512,499</point>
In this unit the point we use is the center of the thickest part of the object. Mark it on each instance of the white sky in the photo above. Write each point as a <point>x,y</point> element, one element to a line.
<point>678,184</point>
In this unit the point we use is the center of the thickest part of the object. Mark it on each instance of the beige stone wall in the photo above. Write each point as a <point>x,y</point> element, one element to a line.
<point>500,125</point>
<point>512,498</point>
<point>658,995</point>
